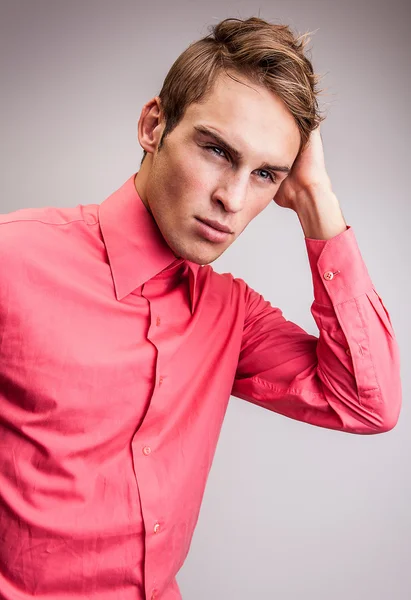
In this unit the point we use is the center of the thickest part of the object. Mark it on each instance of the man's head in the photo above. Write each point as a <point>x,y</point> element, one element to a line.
<point>235,111</point>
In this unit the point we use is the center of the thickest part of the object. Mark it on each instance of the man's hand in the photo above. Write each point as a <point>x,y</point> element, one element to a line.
<point>307,190</point>
<point>307,172</point>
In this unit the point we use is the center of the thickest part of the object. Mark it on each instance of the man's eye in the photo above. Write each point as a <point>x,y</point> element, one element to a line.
<point>267,175</point>
<point>216,150</point>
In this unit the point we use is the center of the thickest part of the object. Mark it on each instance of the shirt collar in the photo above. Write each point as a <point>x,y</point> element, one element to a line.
<point>135,247</point>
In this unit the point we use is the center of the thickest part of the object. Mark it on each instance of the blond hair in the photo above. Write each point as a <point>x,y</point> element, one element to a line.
<point>267,54</point>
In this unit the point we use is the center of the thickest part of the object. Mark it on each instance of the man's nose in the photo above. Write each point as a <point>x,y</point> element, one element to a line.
<point>231,193</point>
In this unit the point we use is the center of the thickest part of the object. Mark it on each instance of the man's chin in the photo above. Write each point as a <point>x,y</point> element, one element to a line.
<point>197,257</point>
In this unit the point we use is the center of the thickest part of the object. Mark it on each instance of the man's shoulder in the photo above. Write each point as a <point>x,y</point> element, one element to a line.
<point>29,230</point>
<point>51,215</point>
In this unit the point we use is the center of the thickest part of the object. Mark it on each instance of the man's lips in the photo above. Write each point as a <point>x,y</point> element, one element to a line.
<point>216,225</point>
<point>213,231</point>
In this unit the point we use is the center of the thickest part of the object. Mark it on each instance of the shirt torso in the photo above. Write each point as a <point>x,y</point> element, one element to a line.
<point>110,410</point>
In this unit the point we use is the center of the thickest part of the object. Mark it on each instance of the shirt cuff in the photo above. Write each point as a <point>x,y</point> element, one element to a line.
<point>338,269</point>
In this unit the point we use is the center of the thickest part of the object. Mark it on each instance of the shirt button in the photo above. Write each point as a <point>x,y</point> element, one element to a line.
<point>328,275</point>
<point>348,352</point>
<point>158,321</point>
<point>146,450</point>
<point>156,527</point>
<point>160,381</point>
<point>154,595</point>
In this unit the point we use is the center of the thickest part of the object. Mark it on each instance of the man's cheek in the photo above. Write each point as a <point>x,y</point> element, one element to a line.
<point>199,182</point>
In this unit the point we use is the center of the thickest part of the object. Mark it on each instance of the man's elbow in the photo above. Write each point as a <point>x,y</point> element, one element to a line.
<point>390,416</point>
<point>389,423</point>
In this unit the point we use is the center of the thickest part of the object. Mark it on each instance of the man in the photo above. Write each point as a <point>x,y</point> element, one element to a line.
<point>120,346</point>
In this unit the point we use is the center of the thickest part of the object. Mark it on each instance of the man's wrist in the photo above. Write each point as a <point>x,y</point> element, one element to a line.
<point>319,213</point>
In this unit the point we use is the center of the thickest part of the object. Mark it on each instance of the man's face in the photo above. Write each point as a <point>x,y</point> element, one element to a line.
<point>216,167</point>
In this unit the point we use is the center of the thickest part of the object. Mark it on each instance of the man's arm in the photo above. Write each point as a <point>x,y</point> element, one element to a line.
<point>349,377</point>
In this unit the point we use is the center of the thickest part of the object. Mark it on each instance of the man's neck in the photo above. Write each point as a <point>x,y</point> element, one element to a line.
<point>140,181</point>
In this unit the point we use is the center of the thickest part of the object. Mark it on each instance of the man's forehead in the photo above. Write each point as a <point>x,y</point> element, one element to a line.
<point>249,117</point>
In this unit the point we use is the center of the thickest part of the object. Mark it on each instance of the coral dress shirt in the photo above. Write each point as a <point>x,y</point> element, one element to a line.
<point>117,362</point>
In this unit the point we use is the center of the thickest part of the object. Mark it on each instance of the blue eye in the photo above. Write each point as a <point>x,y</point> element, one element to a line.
<point>268,176</point>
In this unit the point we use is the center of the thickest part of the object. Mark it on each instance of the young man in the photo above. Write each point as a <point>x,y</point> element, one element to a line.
<point>120,346</point>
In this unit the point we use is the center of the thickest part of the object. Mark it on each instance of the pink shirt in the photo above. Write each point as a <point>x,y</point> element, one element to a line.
<point>117,362</point>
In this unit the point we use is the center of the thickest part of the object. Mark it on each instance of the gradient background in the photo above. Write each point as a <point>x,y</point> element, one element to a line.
<point>290,511</point>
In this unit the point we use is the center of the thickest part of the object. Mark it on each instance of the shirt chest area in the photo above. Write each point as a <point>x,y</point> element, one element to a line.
<point>80,349</point>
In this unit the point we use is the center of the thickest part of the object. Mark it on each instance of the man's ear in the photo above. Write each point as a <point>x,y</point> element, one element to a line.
<point>151,125</point>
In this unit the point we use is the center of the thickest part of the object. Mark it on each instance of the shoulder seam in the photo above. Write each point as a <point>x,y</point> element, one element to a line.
<point>46,222</point>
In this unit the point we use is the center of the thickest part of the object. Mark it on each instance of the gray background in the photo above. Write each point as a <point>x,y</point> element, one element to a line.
<point>290,511</point>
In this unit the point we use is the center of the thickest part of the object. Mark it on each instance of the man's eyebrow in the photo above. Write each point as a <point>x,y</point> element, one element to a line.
<point>233,151</point>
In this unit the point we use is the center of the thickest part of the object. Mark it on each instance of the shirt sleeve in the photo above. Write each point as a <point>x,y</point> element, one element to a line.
<point>346,379</point>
